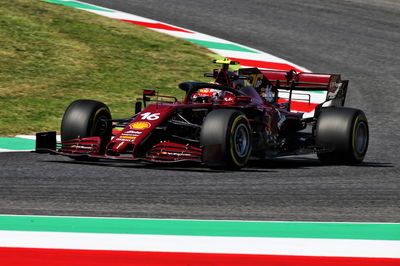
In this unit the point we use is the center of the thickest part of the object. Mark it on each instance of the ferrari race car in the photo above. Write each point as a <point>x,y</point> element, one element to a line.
<point>249,113</point>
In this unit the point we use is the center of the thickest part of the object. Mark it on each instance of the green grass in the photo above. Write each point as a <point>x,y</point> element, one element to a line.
<point>51,55</point>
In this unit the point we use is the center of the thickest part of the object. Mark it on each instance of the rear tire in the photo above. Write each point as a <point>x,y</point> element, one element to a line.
<point>343,131</point>
<point>226,139</point>
<point>86,118</point>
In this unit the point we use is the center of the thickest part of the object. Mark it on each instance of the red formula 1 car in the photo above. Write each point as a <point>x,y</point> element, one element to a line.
<point>243,114</point>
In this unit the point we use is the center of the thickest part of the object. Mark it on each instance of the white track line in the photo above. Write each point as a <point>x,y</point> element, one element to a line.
<point>203,244</point>
<point>6,150</point>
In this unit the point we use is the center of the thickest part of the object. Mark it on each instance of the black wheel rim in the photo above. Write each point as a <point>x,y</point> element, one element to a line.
<point>100,128</point>
<point>241,140</point>
<point>361,137</point>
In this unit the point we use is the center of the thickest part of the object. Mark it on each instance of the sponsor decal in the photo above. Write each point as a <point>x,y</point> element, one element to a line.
<point>140,125</point>
<point>80,147</point>
<point>228,99</point>
<point>127,137</point>
<point>126,140</point>
<point>133,132</point>
<point>175,154</point>
<point>132,135</point>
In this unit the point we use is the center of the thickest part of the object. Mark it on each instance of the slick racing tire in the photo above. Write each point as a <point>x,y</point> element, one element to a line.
<point>86,118</point>
<point>344,133</point>
<point>226,139</point>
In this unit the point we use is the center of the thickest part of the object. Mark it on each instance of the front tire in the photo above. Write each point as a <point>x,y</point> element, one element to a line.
<point>87,118</point>
<point>344,133</point>
<point>226,139</point>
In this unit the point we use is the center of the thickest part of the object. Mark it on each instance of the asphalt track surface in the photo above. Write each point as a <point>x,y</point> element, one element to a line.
<point>360,39</point>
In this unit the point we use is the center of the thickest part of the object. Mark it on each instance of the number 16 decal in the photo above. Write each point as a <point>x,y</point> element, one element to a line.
<point>150,116</point>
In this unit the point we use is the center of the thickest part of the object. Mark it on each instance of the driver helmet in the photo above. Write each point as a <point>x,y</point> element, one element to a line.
<point>212,93</point>
<point>207,94</point>
<point>269,94</point>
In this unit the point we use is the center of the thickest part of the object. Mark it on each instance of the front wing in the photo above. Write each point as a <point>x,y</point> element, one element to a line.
<point>162,152</point>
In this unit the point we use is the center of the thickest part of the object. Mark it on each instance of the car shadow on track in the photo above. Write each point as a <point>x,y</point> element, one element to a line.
<point>266,166</point>
<point>306,162</point>
<point>376,165</point>
<point>285,163</point>
<point>180,166</point>
<point>263,165</point>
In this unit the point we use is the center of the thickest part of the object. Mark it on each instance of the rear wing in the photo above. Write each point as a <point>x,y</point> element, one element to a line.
<point>301,92</point>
